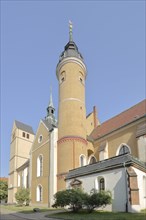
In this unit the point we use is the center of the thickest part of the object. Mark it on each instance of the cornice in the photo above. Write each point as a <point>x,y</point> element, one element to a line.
<point>72,138</point>
<point>70,60</point>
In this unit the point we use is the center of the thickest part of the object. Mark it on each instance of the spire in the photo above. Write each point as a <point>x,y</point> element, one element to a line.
<point>51,99</point>
<point>70,31</point>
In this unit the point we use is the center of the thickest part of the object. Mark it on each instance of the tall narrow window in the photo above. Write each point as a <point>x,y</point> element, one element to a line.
<point>40,166</point>
<point>27,136</point>
<point>144,186</point>
<point>39,193</point>
<point>82,160</point>
<point>101,184</point>
<point>18,180</point>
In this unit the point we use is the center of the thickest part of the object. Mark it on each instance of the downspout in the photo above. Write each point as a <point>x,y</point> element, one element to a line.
<point>126,185</point>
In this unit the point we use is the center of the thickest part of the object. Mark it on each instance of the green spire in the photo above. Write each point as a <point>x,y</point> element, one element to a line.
<point>51,99</point>
<point>70,31</point>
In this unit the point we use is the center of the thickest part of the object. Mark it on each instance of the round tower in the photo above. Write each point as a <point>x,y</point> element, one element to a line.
<point>72,144</point>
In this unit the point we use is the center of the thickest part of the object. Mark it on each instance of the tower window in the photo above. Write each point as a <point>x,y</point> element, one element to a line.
<point>81,80</point>
<point>27,136</point>
<point>62,77</point>
<point>23,134</point>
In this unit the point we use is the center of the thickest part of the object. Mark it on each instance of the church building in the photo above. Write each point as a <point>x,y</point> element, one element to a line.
<point>75,150</point>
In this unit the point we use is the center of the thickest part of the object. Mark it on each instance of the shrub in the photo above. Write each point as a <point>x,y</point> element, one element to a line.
<point>77,199</point>
<point>97,199</point>
<point>22,196</point>
<point>70,197</point>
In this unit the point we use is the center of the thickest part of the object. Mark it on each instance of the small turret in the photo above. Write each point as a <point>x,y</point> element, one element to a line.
<point>50,112</point>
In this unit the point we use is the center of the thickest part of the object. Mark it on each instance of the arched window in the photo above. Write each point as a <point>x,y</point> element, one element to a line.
<point>124,150</point>
<point>82,160</point>
<point>92,160</point>
<point>144,186</point>
<point>101,184</point>
<point>40,165</point>
<point>39,193</point>
<point>40,139</point>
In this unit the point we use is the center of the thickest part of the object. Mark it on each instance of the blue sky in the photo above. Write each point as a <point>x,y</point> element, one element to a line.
<point>109,34</point>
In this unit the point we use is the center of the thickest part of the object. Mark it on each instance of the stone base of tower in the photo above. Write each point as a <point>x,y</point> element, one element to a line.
<point>70,150</point>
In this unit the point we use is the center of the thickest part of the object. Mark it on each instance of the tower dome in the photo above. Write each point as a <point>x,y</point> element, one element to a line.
<point>70,50</point>
<point>70,54</point>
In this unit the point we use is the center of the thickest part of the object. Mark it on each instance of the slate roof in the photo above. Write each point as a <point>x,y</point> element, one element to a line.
<point>24,127</point>
<point>130,115</point>
<point>70,50</point>
<point>26,164</point>
<point>49,124</point>
<point>108,164</point>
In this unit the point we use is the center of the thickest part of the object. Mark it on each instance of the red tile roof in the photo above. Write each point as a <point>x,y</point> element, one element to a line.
<point>120,120</point>
<point>5,179</point>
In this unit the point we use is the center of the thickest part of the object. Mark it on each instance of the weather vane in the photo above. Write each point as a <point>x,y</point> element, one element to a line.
<point>70,30</point>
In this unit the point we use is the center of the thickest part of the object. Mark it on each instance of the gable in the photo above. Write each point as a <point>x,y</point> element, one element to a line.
<point>42,136</point>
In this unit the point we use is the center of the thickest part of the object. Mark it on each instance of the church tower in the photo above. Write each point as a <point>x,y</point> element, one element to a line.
<point>72,143</point>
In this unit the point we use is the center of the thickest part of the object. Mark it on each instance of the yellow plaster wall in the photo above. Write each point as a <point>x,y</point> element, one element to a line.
<point>42,180</point>
<point>126,135</point>
<point>90,123</point>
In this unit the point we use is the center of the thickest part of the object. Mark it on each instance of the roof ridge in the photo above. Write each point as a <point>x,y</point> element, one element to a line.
<point>126,110</point>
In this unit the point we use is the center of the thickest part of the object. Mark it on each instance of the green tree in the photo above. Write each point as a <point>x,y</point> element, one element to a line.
<point>3,190</point>
<point>70,197</point>
<point>22,196</point>
<point>97,199</point>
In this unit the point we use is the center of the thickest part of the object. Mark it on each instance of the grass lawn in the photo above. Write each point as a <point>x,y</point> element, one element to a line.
<point>25,209</point>
<point>99,216</point>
